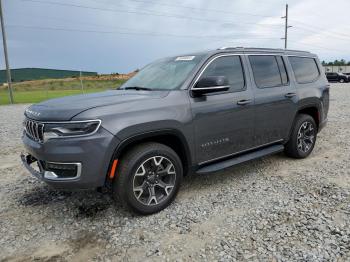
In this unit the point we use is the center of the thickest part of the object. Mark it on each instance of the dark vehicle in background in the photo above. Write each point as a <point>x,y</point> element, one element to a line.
<point>337,77</point>
<point>197,113</point>
<point>348,75</point>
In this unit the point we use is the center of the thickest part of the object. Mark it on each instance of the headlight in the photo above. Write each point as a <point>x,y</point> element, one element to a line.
<point>70,129</point>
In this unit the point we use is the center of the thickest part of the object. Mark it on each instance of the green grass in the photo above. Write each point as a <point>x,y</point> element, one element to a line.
<point>37,91</point>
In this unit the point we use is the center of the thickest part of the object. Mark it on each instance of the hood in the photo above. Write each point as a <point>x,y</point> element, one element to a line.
<point>65,108</point>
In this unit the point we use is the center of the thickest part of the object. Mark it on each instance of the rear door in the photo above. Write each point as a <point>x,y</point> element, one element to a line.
<point>275,98</point>
<point>224,122</point>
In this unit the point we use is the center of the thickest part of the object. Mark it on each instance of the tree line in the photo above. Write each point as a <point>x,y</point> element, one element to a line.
<point>336,62</point>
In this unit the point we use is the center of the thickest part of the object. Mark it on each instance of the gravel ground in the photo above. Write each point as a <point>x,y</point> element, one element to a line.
<point>271,209</point>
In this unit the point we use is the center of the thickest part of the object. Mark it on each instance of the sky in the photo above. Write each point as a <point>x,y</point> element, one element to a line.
<point>109,36</point>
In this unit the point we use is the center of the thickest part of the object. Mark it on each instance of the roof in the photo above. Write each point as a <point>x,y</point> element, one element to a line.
<point>252,50</point>
<point>266,50</point>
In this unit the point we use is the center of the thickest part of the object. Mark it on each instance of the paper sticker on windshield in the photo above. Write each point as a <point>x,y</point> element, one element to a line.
<point>185,58</point>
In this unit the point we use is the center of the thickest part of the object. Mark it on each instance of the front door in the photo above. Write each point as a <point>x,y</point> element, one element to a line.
<point>224,122</point>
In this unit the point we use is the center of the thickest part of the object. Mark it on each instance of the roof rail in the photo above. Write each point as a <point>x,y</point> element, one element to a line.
<point>260,49</point>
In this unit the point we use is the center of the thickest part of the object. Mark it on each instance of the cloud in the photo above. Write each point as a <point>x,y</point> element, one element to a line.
<point>126,43</point>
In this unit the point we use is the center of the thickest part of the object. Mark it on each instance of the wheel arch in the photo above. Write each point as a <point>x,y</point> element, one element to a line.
<point>169,137</point>
<point>309,109</point>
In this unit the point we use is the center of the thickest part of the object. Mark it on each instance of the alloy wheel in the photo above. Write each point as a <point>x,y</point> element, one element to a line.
<point>306,136</point>
<point>154,180</point>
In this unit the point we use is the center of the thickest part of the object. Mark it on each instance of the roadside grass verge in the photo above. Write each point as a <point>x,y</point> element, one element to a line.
<point>37,91</point>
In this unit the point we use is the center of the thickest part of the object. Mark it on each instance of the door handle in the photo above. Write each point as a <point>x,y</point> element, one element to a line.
<point>290,95</point>
<point>244,102</point>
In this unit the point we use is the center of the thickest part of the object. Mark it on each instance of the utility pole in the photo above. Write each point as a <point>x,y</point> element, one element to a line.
<point>286,26</point>
<point>81,83</point>
<point>5,53</point>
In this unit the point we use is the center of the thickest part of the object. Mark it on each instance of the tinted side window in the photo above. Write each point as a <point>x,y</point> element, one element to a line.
<point>283,70</point>
<point>265,70</point>
<point>231,68</point>
<point>305,69</point>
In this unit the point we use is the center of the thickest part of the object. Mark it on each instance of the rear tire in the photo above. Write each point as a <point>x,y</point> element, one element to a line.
<point>303,137</point>
<point>148,178</point>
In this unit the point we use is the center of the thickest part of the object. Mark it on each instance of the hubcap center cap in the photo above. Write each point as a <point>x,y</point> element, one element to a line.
<point>152,178</point>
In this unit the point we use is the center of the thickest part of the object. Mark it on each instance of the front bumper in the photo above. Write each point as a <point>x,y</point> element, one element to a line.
<point>71,163</point>
<point>52,171</point>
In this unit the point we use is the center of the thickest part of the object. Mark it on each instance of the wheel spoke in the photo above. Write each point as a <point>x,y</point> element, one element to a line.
<point>167,187</point>
<point>152,196</point>
<point>156,162</point>
<point>159,161</point>
<point>140,189</point>
<point>169,170</point>
<point>141,171</point>
<point>310,138</point>
<point>300,145</point>
<point>306,146</point>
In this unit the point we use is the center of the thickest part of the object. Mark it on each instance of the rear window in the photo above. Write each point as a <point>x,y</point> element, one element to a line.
<point>305,69</point>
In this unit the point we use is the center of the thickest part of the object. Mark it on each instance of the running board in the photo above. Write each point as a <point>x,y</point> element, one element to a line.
<point>240,159</point>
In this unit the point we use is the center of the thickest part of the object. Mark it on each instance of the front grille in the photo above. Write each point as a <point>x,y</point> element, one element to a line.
<point>34,130</point>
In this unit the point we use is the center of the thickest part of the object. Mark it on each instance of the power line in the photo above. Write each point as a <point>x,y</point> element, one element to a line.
<point>133,33</point>
<point>323,32</point>
<point>318,29</point>
<point>150,13</point>
<point>192,8</point>
<point>320,47</point>
<point>100,25</point>
<point>319,35</point>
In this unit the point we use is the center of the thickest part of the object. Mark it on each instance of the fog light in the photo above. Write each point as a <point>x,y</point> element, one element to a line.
<point>62,171</point>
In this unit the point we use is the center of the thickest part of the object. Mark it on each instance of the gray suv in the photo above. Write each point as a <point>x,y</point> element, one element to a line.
<point>196,113</point>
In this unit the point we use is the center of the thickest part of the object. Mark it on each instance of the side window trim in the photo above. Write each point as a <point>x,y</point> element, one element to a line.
<point>285,70</point>
<point>212,59</point>
<point>317,66</point>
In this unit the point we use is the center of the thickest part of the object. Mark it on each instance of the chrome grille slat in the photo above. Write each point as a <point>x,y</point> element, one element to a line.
<point>41,132</point>
<point>27,125</point>
<point>34,130</point>
<point>31,129</point>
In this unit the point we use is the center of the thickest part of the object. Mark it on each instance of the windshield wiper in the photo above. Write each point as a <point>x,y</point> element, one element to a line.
<point>137,88</point>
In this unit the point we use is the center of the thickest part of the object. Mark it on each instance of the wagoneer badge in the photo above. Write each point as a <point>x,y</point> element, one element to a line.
<point>28,111</point>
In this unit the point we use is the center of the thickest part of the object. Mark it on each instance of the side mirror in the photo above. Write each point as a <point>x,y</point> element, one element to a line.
<point>211,84</point>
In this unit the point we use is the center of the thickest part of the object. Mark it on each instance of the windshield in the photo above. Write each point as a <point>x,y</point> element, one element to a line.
<point>164,74</point>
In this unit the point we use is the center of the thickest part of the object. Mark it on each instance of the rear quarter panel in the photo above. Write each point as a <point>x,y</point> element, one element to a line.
<point>314,94</point>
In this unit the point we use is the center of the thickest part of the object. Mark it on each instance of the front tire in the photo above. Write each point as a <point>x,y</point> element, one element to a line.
<point>148,178</point>
<point>303,137</point>
<point>341,80</point>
